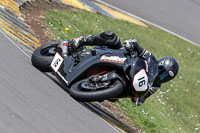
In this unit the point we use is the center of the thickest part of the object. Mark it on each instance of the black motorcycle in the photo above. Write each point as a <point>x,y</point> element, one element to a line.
<point>97,74</point>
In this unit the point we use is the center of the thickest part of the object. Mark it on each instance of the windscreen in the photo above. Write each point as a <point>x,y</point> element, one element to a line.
<point>152,68</point>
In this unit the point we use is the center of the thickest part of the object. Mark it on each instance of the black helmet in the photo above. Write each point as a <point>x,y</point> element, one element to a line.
<point>168,68</point>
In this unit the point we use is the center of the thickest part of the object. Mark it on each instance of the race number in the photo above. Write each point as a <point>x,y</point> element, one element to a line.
<point>57,61</point>
<point>140,81</point>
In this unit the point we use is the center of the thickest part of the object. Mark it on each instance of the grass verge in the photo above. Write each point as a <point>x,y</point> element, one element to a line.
<point>175,108</point>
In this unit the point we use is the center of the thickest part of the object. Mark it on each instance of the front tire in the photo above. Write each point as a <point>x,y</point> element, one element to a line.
<point>43,56</point>
<point>80,94</point>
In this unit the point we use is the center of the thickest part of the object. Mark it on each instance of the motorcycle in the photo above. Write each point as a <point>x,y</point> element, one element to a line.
<point>97,74</point>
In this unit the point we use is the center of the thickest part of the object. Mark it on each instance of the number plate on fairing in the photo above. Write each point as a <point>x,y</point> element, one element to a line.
<point>140,81</point>
<point>57,61</point>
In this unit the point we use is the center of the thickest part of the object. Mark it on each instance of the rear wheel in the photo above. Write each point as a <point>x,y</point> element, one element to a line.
<point>43,56</point>
<point>87,91</point>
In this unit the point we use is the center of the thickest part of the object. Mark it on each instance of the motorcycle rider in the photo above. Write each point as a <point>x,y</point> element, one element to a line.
<point>168,66</point>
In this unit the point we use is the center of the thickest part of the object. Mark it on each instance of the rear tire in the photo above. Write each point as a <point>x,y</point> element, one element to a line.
<point>96,95</point>
<point>42,59</point>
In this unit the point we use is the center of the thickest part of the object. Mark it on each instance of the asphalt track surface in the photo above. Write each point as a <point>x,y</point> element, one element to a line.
<point>31,103</point>
<point>181,17</point>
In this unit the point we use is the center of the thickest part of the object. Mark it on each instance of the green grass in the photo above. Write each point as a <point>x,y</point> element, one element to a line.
<point>176,107</point>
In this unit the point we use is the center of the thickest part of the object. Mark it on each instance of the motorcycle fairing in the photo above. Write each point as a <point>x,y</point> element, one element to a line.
<point>70,72</point>
<point>138,76</point>
<point>89,61</point>
<point>143,74</point>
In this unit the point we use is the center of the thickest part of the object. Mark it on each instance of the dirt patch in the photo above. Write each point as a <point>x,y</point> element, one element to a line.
<point>34,14</point>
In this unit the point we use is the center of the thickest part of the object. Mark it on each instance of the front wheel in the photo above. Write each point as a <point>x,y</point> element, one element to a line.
<point>86,92</point>
<point>43,56</point>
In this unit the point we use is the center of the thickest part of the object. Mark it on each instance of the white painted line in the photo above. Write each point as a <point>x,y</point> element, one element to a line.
<point>148,22</point>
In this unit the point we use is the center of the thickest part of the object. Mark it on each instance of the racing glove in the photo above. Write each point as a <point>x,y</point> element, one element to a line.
<point>132,45</point>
